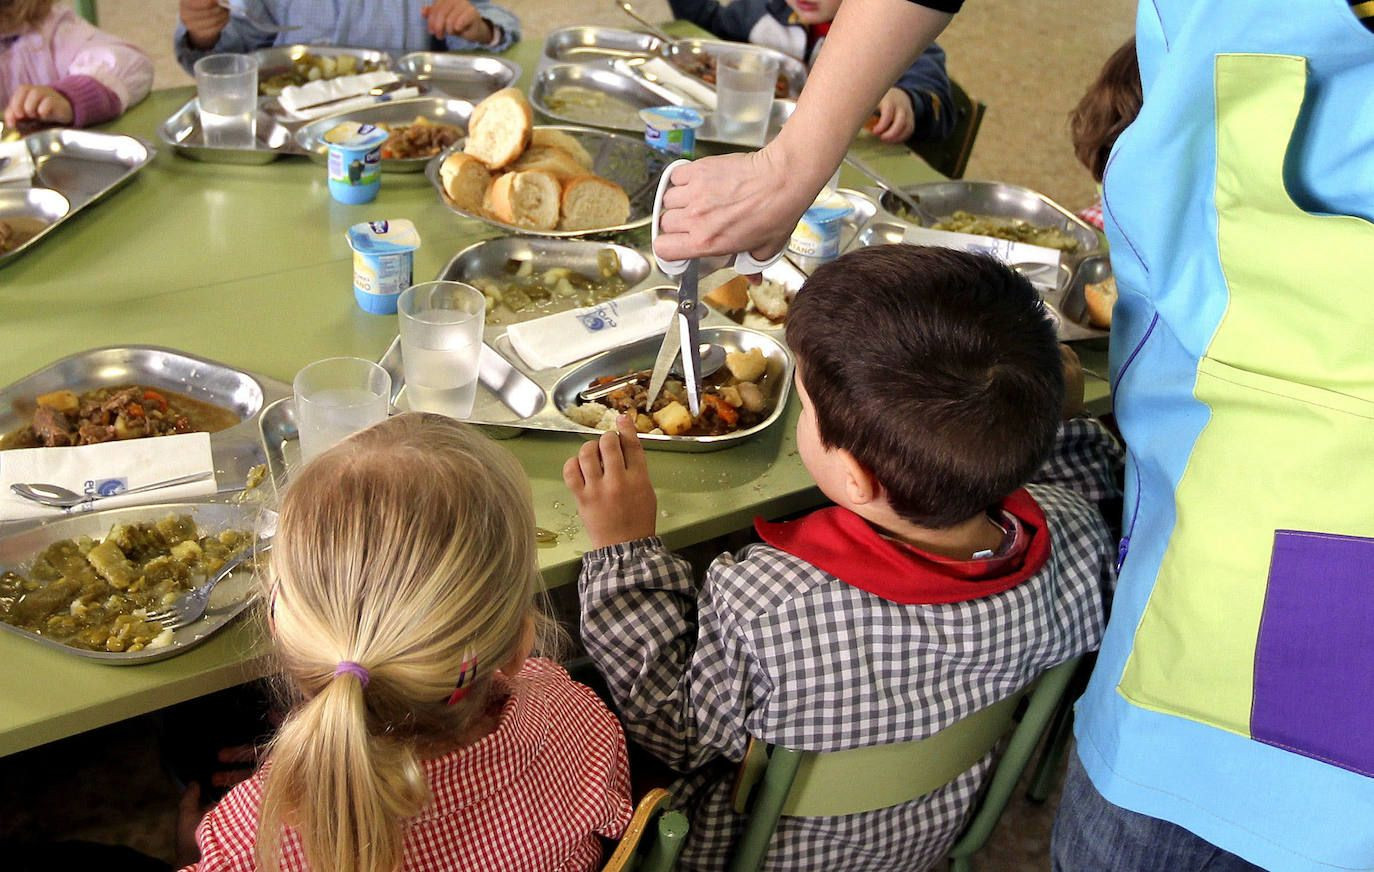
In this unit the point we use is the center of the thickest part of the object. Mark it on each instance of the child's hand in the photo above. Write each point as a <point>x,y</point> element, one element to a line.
<point>896,117</point>
<point>1073,382</point>
<point>204,19</point>
<point>38,103</point>
<point>457,18</point>
<point>609,478</point>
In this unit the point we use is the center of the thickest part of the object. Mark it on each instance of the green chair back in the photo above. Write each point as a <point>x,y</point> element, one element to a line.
<point>950,156</point>
<point>811,784</point>
<point>654,838</point>
<point>86,9</point>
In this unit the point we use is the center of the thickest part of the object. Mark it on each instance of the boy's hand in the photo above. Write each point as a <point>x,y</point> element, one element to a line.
<point>457,18</point>
<point>1073,382</point>
<point>204,19</point>
<point>896,116</point>
<point>609,478</point>
<point>38,103</point>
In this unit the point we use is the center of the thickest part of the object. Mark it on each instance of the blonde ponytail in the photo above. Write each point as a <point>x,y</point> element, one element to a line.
<point>406,553</point>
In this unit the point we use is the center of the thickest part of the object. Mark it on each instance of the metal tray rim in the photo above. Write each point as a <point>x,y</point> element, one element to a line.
<point>306,140</point>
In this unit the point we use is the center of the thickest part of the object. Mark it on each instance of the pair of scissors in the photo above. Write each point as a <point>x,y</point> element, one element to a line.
<point>681,338</point>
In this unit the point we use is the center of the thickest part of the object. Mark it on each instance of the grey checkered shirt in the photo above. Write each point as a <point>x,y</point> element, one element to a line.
<point>772,647</point>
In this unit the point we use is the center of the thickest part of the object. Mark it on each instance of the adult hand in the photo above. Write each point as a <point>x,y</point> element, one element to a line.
<point>1073,382</point>
<point>729,204</point>
<point>204,19</point>
<point>609,478</point>
<point>896,116</point>
<point>38,103</point>
<point>457,18</point>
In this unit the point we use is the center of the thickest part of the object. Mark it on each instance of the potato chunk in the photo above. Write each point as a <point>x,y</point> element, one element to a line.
<point>61,401</point>
<point>746,366</point>
<point>751,396</point>
<point>673,419</point>
<point>112,565</point>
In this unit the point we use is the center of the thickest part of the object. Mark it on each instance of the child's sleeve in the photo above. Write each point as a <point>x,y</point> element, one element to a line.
<point>237,37</point>
<point>101,75</point>
<point>734,21</point>
<point>927,84</point>
<point>1086,459</point>
<point>681,673</point>
<point>506,23</point>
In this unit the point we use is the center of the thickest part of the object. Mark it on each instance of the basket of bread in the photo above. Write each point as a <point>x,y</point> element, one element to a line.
<point>549,181</point>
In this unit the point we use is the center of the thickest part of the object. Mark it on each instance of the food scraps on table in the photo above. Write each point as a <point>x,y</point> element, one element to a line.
<point>65,417</point>
<point>96,595</point>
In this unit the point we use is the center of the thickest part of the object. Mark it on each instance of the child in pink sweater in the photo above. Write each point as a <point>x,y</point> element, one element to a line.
<point>56,68</point>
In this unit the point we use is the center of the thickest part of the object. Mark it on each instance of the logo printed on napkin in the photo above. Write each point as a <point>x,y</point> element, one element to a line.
<point>600,317</point>
<point>106,487</point>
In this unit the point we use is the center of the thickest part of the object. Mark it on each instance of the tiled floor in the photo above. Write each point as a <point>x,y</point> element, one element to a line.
<point>1028,61</point>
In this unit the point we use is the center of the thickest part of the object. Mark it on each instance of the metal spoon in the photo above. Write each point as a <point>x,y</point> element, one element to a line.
<point>712,359</point>
<point>907,200</point>
<point>59,497</point>
<point>647,24</point>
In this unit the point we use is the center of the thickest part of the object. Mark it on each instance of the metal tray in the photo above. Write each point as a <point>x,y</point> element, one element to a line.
<point>183,134</point>
<point>463,76</point>
<point>489,259</point>
<point>511,397</point>
<point>443,110</point>
<point>235,451</point>
<point>281,58</point>
<point>865,208</point>
<point>784,272</point>
<point>40,204</point>
<point>83,166</point>
<point>629,94</point>
<point>998,199</point>
<point>601,45</point>
<point>229,598</point>
<point>627,162</point>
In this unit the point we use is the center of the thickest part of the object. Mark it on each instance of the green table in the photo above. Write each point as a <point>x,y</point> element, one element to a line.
<point>248,265</point>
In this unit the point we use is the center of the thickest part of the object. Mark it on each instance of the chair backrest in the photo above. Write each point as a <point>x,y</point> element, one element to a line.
<point>950,156</point>
<point>653,839</point>
<point>86,9</point>
<point>811,784</point>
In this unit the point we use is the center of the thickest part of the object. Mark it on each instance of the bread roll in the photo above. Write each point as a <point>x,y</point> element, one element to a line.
<point>566,141</point>
<point>466,180</point>
<point>591,202</point>
<point>525,199</point>
<point>1100,297</point>
<point>770,299</point>
<point>733,296</point>
<point>552,160</point>
<point>499,128</point>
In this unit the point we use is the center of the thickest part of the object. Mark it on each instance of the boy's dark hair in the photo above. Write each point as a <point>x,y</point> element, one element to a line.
<point>1108,107</point>
<point>938,370</point>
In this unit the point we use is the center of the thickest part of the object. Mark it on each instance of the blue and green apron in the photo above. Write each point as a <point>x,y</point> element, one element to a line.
<point>1235,690</point>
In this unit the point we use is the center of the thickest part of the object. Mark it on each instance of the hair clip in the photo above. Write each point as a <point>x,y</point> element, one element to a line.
<point>467,672</point>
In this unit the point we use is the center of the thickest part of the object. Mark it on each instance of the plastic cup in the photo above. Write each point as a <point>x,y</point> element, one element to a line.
<point>354,163</point>
<point>227,98</point>
<point>745,83</point>
<point>441,345</point>
<point>336,398</point>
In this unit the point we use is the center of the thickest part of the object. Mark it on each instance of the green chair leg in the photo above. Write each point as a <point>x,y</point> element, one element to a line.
<point>763,818</point>
<point>1052,757</point>
<point>672,834</point>
<point>960,864</point>
<point>86,9</point>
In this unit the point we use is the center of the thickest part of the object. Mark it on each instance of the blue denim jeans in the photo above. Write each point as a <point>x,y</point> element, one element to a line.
<point>1092,835</point>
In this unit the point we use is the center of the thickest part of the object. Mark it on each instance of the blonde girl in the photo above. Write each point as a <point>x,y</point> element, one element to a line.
<point>423,735</point>
<point>56,68</point>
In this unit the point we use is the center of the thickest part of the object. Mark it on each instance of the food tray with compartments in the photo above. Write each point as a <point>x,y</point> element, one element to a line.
<point>460,76</point>
<point>80,166</point>
<point>309,138</point>
<point>229,598</point>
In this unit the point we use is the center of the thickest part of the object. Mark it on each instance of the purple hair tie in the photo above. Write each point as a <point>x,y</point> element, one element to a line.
<point>353,669</point>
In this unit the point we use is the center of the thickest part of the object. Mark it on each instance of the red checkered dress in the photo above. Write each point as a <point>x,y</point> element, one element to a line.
<point>533,795</point>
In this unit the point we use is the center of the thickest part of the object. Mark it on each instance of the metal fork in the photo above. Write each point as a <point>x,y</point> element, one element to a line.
<point>241,12</point>
<point>190,607</point>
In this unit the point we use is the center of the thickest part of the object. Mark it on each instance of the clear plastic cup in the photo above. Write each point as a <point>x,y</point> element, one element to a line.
<point>745,83</point>
<point>336,398</point>
<point>227,97</point>
<point>441,344</point>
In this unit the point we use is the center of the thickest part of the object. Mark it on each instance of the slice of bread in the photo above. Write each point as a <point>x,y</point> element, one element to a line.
<point>564,140</point>
<point>499,129</point>
<point>733,296</point>
<point>1100,297</point>
<point>466,180</point>
<point>591,202</point>
<point>552,160</point>
<point>770,299</point>
<point>525,199</point>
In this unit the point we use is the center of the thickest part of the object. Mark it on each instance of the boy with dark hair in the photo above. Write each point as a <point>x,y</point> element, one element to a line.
<point>962,558</point>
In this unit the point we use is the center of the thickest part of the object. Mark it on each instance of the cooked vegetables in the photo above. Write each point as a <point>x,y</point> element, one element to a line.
<point>1014,229</point>
<point>527,293</point>
<point>420,138</point>
<point>311,67</point>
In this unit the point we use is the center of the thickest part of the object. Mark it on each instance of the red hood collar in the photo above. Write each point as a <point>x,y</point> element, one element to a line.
<point>846,546</point>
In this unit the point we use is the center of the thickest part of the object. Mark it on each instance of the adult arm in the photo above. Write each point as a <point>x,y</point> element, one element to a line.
<point>751,202</point>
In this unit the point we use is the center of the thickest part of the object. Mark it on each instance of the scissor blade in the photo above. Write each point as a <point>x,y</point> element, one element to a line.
<point>667,353</point>
<point>687,337</point>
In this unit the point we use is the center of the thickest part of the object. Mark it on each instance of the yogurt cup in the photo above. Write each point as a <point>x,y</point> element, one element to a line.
<point>817,236</point>
<point>671,129</point>
<point>383,262</point>
<point>355,161</point>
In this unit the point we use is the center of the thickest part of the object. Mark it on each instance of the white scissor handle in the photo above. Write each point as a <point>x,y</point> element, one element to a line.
<point>745,263</point>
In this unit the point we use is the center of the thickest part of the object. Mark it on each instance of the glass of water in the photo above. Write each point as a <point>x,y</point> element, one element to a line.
<point>745,83</point>
<point>441,344</point>
<point>227,96</point>
<point>336,398</point>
